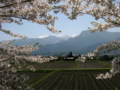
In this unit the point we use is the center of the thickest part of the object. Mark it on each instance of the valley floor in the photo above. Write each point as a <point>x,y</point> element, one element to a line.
<point>71,75</point>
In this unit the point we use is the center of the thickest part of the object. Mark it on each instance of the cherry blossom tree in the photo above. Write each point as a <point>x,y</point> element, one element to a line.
<point>81,59</point>
<point>39,11</point>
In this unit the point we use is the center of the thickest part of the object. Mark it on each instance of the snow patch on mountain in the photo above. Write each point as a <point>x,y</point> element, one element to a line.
<point>64,37</point>
<point>44,36</point>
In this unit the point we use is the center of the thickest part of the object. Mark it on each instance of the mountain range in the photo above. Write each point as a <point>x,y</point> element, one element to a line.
<point>84,43</point>
<point>41,41</point>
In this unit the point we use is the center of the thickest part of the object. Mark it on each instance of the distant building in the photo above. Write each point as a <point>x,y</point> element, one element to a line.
<point>69,59</point>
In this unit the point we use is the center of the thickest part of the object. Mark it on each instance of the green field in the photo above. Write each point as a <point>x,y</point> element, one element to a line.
<point>71,75</point>
<point>69,65</point>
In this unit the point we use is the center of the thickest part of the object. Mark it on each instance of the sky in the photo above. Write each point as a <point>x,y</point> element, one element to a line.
<point>68,27</point>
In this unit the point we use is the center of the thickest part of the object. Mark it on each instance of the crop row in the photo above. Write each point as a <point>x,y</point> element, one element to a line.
<point>59,65</point>
<point>107,62</point>
<point>90,65</point>
<point>33,76</point>
<point>66,65</point>
<point>77,80</point>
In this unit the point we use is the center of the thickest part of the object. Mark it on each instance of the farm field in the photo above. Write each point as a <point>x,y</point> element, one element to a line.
<point>68,65</point>
<point>71,75</point>
<point>90,65</point>
<point>73,64</point>
<point>59,65</point>
<point>36,65</point>
<point>33,76</point>
<point>50,65</point>
<point>77,80</point>
<point>76,65</point>
<point>107,62</point>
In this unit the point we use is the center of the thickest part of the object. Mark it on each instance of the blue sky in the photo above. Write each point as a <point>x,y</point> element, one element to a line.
<point>68,27</point>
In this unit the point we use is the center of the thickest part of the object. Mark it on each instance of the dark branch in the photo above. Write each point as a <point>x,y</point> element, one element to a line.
<point>14,4</point>
<point>13,16</point>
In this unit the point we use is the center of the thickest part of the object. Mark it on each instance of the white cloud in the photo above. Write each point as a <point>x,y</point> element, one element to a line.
<point>43,36</point>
